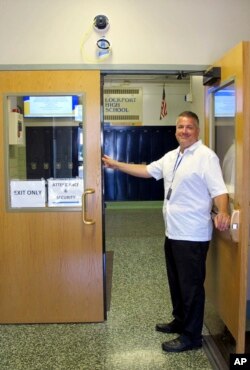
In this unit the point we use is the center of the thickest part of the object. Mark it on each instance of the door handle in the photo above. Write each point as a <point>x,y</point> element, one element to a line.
<point>235,225</point>
<point>86,221</point>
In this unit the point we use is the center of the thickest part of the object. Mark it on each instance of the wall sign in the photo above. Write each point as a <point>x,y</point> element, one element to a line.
<point>123,106</point>
<point>27,193</point>
<point>65,192</point>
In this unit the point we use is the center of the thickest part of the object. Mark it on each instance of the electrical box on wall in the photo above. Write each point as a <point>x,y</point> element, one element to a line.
<point>16,129</point>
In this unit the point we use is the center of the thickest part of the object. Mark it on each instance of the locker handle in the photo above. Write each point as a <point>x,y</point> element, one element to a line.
<point>86,221</point>
<point>235,225</point>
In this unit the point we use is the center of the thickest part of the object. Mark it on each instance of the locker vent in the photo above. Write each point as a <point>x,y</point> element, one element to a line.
<point>123,106</point>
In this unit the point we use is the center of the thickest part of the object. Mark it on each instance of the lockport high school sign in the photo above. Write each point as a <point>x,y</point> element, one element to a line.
<point>123,106</point>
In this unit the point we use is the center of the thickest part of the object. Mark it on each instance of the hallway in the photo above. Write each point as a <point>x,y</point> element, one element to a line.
<point>139,299</point>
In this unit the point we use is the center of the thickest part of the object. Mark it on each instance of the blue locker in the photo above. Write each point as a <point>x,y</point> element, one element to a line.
<point>138,144</point>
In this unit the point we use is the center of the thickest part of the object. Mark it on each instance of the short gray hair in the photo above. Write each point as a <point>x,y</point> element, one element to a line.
<point>189,114</point>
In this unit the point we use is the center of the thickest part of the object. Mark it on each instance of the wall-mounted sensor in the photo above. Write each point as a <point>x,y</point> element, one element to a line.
<point>101,22</point>
<point>189,97</point>
<point>103,47</point>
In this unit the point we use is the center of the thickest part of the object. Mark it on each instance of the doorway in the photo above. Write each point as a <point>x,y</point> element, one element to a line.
<point>134,130</point>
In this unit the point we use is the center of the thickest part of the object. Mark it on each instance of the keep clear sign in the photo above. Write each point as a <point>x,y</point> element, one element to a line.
<point>27,193</point>
<point>65,192</point>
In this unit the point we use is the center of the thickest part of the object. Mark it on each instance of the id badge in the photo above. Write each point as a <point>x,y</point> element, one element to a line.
<point>169,193</point>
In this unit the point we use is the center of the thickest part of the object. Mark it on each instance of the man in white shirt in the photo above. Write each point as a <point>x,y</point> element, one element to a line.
<point>193,183</point>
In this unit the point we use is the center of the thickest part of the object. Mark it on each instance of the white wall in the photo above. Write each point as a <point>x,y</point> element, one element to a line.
<point>152,96</point>
<point>161,32</point>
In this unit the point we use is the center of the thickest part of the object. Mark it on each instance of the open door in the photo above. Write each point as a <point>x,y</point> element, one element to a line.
<point>228,133</point>
<point>51,249</point>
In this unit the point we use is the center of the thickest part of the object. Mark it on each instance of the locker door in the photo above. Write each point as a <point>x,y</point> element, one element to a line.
<point>109,145</point>
<point>121,155</point>
<point>132,157</point>
<point>39,154</point>
<point>145,158</point>
<point>65,150</point>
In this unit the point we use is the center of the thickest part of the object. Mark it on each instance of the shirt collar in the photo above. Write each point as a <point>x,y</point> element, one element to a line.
<point>193,147</point>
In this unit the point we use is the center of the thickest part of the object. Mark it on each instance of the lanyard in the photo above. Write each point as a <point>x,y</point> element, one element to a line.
<point>176,165</point>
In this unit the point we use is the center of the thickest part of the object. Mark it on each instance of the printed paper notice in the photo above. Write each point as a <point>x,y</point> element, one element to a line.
<point>65,192</point>
<point>27,193</point>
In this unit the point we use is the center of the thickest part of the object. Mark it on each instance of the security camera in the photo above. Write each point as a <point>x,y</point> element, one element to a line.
<point>101,22</point>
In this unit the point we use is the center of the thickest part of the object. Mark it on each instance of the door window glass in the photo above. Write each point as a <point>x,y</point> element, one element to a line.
<point>223,132</point>
<point>44,135</point>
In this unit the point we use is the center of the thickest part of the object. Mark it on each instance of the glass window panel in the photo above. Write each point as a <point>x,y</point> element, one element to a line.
<point>45,150</point>
<point>223,132</point>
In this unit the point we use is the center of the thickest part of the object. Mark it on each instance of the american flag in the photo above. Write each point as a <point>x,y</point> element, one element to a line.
<point>164,111</point>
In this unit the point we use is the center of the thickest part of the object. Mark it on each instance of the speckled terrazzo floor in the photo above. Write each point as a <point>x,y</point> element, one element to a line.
<point>139,299</point>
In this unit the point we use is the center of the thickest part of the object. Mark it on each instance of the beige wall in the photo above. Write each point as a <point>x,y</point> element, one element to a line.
<point>162,32</point>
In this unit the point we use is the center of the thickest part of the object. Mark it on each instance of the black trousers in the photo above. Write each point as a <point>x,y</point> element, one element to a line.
<point>186,271</point>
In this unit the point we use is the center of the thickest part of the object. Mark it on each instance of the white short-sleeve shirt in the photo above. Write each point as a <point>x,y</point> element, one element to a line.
<point>195,178</point>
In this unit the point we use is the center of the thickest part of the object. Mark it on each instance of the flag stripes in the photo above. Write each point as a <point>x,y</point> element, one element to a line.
<point>164,111</point>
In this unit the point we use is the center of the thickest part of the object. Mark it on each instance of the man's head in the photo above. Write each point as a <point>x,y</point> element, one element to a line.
<point>187,129</point>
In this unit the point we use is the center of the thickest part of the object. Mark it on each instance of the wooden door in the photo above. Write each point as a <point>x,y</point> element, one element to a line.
<point>51,261</point>
<point>226,282</point>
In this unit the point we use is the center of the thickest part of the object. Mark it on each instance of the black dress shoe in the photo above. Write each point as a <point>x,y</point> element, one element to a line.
<point>180,344</point>
<point>169,328</point>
